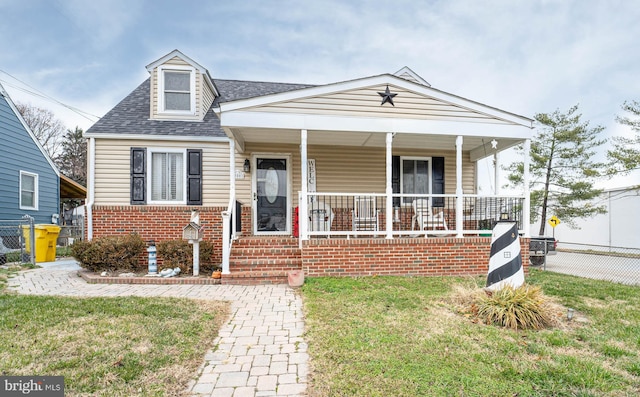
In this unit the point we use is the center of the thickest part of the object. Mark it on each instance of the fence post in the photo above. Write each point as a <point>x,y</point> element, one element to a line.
<point>32,234</point>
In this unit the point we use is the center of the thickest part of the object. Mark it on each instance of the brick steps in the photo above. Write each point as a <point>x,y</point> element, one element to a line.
<point>258,277</point>
<point>265,257</point>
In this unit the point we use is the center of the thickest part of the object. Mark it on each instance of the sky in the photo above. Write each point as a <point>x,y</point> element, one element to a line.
<point>525,57</point>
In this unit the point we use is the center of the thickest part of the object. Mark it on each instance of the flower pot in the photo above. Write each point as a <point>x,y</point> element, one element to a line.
<point>295,278</point>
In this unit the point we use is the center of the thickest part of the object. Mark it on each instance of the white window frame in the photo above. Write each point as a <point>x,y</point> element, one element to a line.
<point>429,176</point>
<point>192,89</point>
<point>150,176</point>
<point>35,193</point>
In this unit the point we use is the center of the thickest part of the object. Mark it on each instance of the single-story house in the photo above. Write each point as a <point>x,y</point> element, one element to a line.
<point>375,175</point>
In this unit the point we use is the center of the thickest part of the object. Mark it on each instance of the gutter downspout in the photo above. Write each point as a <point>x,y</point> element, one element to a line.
<point>91,161</point>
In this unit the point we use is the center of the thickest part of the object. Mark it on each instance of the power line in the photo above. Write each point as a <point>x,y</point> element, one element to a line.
<point>35,92</point>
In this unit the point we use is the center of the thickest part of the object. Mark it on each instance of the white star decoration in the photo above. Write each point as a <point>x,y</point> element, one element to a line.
<point>494,144</point>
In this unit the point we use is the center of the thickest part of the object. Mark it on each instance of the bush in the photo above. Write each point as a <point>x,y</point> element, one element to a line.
<point>524,307</point>
<point>176,253</point>
<point>179,253</point>
<point>110,253</point>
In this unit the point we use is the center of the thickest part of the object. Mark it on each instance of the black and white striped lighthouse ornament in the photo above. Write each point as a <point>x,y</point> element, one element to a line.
<point>505,261</point>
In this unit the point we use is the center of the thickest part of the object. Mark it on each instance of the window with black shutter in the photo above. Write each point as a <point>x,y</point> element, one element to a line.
<point>138,176</point>
<point>164,176</point>
<point>194,177</point>
<point>410,175</point>
<point>437,183</point>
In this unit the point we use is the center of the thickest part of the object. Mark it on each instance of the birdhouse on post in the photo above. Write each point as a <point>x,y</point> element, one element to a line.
<point>193,232</point>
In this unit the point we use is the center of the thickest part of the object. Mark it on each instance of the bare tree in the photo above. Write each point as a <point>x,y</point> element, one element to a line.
<point>46,127</point>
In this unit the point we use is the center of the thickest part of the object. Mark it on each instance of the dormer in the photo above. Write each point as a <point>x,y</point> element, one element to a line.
<point>181,89</point>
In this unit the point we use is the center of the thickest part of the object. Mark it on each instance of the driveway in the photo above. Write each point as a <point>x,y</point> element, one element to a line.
<point>260,351</point>
<point>600,267</point>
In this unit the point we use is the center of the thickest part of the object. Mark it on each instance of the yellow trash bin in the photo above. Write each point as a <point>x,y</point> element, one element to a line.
<point>46,237</point>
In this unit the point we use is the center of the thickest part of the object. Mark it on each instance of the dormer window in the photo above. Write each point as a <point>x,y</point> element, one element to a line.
<point>176,90</point>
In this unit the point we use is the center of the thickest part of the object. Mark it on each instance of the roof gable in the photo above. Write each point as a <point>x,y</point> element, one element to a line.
<point>173,54</point>
<point>361,97</point>
<point>26,128</point>
<point>408,74</point>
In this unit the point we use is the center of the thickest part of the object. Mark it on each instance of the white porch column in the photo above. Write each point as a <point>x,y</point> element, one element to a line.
<point>526,216</point>
<point>232,186</point>
<point>227,216</point>
<point>389,189</point>
<point>459,199</point>
<point>496,173</point>
<point>303,223</point>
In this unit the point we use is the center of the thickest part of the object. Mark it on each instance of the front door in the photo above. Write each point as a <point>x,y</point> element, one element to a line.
<point>271,189</point>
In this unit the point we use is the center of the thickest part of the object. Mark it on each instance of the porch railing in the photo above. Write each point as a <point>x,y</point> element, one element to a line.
<point>356,214</point>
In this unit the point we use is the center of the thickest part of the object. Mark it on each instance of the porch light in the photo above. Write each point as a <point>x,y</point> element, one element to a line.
<point>247,166</point>
<point>504,216</point>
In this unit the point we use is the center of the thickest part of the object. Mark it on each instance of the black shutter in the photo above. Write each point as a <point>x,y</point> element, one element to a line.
<point>194,177</point>
<point>138,175</point>
<point>437,184</point>
<point>395,179</point>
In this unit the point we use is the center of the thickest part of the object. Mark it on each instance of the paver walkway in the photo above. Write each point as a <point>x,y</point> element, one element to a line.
<point>260,351</point>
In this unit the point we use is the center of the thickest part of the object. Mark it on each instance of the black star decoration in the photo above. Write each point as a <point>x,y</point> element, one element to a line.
<point>387,96</point>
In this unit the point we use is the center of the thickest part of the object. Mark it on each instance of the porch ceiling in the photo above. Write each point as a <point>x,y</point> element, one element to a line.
<point>372,139</point>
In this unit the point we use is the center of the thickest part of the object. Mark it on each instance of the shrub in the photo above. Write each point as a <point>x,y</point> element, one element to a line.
<point>524,307</point>
<point>110,253</point>
<point>176,253</point>
<point>179,253</point>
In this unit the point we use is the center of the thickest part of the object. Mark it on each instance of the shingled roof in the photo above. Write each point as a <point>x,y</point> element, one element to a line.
<point>131,115</point>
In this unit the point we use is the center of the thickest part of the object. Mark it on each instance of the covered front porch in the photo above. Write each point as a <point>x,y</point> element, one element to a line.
<point>334,168</point>
<point>386,209</point>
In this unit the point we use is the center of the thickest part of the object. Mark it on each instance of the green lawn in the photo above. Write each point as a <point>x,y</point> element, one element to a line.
<point>107,346</point>
<point>386,336</point>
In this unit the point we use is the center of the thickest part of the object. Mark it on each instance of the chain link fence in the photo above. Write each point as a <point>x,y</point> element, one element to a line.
<point>17,241</point>
<point>616,264</point>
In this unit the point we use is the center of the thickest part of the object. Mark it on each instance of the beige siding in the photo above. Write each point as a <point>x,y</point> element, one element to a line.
<point>350,169</point>
<point>177,61</point>
<point>207,96</point>
<point>112,182</point>
<point>365,102</point>
<point>339,169</point>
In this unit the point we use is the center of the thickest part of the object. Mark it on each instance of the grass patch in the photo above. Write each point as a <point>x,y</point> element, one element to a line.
<point>125,346</point>
<point>382,336</point>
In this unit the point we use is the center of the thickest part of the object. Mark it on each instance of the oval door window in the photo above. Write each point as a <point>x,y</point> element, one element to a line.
<point>271,185</point>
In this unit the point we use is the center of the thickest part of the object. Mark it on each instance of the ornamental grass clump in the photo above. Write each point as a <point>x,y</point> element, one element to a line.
<point>524,307</point>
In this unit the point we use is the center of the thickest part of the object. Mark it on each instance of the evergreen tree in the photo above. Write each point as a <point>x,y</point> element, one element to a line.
<point>72,162</point>
<point>625,156</point>
<point>562,169</point>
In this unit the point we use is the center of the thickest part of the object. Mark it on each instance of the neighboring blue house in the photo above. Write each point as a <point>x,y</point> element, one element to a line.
<point>29,180</point>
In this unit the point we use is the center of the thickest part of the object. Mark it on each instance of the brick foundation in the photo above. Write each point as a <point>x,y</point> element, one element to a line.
<point>158,223</point>
<point>447,256</point>
<point>272,257</point>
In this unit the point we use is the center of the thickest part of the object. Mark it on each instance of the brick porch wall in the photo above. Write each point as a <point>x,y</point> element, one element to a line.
<point>158,223</point>
<point>403,256</point>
